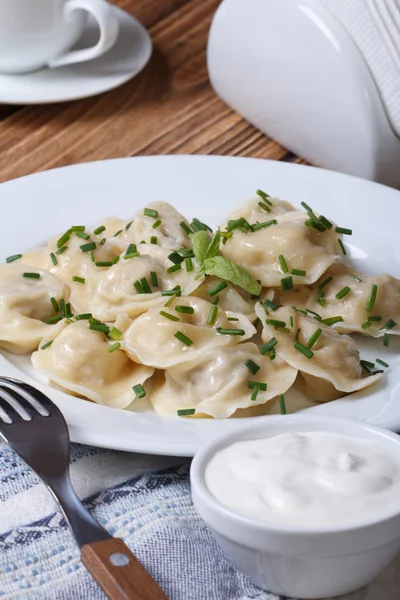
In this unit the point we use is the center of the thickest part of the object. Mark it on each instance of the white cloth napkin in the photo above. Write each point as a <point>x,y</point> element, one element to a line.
<point>375,27</point>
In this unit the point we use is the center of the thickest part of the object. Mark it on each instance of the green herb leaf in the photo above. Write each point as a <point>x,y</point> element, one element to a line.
<point>225,269</point>
<point>201,241</point>
<point>213,248</point>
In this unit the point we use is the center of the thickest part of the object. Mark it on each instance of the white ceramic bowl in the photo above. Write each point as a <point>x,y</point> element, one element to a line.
<point>295,561</point>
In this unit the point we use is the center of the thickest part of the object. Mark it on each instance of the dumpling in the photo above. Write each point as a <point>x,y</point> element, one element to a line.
<point>155,340</point>
<point>229,298</point>
<point>25,303</point>
<point>169,232</point>
<point>332,367</point>
<point>78,359</point>
<point>258,210</point>
<point>303,248</point>
<point>217,383</point>
<point>115,292</point>
<point>356,304</point>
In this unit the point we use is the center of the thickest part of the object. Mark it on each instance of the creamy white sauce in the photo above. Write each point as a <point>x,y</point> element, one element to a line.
<point>311,479</point>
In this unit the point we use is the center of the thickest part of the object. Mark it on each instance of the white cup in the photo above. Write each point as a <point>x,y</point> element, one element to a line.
<point>39,33</point>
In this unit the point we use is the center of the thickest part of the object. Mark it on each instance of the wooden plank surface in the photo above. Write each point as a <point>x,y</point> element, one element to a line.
<point>169,108</point>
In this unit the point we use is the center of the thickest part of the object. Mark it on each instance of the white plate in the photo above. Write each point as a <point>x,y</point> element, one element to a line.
<point>35,207</point>
<point>125,60</point>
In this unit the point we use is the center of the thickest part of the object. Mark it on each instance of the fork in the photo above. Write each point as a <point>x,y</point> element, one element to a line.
<point>35,428</point>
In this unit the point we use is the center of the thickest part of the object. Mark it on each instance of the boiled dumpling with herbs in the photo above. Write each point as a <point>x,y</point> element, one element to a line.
<point>368,304</point>
<point>79,360</point>
<point>220,382</point>
<point>28,297</point>
<point>229,298</point>
<point>328,361</point>
<point>259,209</point>
<point>158,223</point>
<point>184,330</point>
<point>141,280</point>
<point>284,251</point>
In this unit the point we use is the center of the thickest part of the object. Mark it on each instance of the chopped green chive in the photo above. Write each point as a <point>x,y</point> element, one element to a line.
<point>264,207</point>
<point>217,289</point>
<point>176,258</point>
<point>320,299</point>
<point>275,323</point>
<point>139,391</point>
<point>138,287</point>
<point>343,292</point>
<point>356,278</point>
<point>115,334</point>
<point>269,304</point>
<point>79,279</point>
<point>62,307</point>
<point>128,226</point>
<point>54,304</point>
<point>170,301</point>
<point>332,321</point>
<point>233,319</point>
<point>115,260</point>
<point>187,310</point>
<point>325,222</point>
<point>83,317</point>
<point>240,223</point>
<point>82,235</point>
<point>12,258</point>
<point>91,254</point>
<point>390,324</point>
<point>386,340</point>
<point>372,298</point>
<point>258,226</point>
<point>53,258</point>
<point>64,238</point>
<point>325,282</point>
<point>212,315</point>
<point>154,280</point>
<point>131,252</point>
<point>366,325</point>
<point>31,275</point>
<point>268,346</point>
<point>382,362</point>
<point>299,272</point>
<point>252,366</point>
<point>307,208</point>
<point>53,320</point>
<point>283,263</point>
<point>215,300</point>
<point>272,354</point>
<point>304,350</point>
<point>264,197</point>
<point>99,327</point>
<point>176,291</point>
<point>186,412</point>
<point>149,212</point>
<point>291,322</point>
<point>183,338</point>
<point>76,228</point>
<point>314,314</point>
<point>156,224</point>
<point>287,283</point>
<point>367,365</point>
<point>314,338</point>
<point>145,285</point>
<point>185,228</point>
<point>46,345</point>
<point>174,268</point>
<point>344,231</point>
<point>153,240</point>
<point>257,384</point>
<point>343,249</point>
<point>224,331</point>
<point>61,250</point>
<point>188,265</point>
<point>282,404</point>
<point>88,247</point>
<point>99,230</point>
<point>114,347</point>
<point>104,263</point>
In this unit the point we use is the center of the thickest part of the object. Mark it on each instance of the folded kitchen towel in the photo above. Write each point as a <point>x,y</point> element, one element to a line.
<point>375,27</point>
<point>143,499</point>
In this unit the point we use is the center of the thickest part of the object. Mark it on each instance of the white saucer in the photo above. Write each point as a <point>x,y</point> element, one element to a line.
<point>125,60</point>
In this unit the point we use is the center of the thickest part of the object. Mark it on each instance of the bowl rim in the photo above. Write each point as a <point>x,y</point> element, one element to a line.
<point>334,424</point>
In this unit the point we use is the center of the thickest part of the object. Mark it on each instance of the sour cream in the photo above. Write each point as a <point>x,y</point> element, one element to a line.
<point>312,479</point>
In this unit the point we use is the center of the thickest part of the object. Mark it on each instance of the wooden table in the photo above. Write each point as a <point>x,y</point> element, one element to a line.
<point>169,108</point>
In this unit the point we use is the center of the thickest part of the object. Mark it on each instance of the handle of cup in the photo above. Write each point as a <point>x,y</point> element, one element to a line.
<point>107,20</point>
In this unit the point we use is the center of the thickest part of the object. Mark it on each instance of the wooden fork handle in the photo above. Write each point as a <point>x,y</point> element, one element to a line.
<point>118,572</point>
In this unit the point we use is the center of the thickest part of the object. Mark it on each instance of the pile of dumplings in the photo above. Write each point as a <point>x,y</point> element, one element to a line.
<point>123,314</point>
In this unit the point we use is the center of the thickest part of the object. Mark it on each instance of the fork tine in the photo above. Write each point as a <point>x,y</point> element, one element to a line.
<point>31,391</point>
<point>8,408</point>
